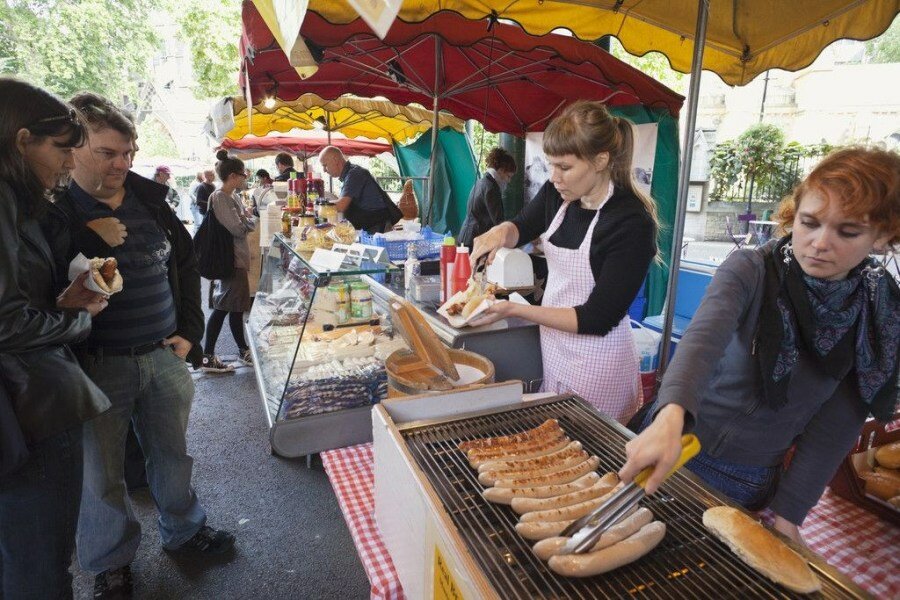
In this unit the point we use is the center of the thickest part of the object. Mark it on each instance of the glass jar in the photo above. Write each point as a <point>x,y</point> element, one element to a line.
<point>360,301</point>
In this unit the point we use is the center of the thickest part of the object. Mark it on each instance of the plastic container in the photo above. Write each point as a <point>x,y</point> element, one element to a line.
<point>646,342</point>
<point>360,301</point>
<point>462,270</point>
<point>448,256</point>
<point>428,245</point>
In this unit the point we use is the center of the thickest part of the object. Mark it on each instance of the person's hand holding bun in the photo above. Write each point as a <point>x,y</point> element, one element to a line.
<point>105,274</point>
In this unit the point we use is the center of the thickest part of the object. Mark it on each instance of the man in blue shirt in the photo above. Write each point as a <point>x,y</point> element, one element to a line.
<point>136,354</point>
<point>362,200</point>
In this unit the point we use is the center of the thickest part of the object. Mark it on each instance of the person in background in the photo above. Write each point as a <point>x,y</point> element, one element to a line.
<point>163,176</point>
<point>599,237</point>
<point>231,297</point>
<point>794,345</point>
<point>485,207</point>
<point>203,192</point>
<point>135,353</point>
<point>49,394</point>
<point>284,164</point>
<point>263,194</point>
<point>192,193</point>
<point>361,200</point>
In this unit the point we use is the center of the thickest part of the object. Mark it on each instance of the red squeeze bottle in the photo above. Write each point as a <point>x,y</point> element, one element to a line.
<point>448,256</point>
<point>462,270</point>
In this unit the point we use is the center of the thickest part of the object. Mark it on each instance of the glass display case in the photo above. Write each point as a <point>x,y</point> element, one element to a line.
<point>319,343</point>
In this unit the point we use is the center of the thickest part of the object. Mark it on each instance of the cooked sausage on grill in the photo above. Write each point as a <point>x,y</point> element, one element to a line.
<point>550,426</point>
<point>491,477</point>
<point>506,495</point>
<point>613,557</point>
<point>535,451</point>
<point>602,487</point>
<point>564,476</point>
<point>529,463</point>
<point>627,527</point>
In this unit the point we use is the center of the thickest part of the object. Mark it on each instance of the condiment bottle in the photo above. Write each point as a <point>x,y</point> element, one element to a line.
<point>286,224</point>
<point>462,269</point>
<point>448,256</point>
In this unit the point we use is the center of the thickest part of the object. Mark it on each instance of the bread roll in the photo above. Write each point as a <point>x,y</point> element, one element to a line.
<point>895,502</point>
<point>881,486</point>
<point>888,455</point>
<point>760,549</point>
<point>105,274</point>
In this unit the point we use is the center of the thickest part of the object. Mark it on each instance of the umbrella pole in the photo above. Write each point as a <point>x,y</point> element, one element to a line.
<point>684,176</point>
<point>434,129</point>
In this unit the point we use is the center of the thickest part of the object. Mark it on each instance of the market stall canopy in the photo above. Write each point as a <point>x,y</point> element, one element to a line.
<point>495,73</point>
<point>351,116</point>
<point>302,144</point>
<point>744,37</point>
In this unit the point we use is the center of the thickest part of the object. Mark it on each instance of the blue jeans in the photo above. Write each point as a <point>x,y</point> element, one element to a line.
<point>751,487</point>
<point>197,217</point>
<point>155,391</point>
<point>38,516</point>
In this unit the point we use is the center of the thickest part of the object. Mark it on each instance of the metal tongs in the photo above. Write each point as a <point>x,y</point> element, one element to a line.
<point>586,531</point>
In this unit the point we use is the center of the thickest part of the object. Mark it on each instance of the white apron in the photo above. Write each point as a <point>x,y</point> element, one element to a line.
<point>602,370</point>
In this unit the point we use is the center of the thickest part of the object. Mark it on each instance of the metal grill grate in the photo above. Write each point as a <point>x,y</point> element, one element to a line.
<point>689,563</point>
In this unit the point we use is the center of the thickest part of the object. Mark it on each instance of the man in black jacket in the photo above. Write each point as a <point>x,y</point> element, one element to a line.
<point>137,354</point>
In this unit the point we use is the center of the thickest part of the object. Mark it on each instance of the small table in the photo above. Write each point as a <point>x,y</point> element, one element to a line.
<point>762,230</point>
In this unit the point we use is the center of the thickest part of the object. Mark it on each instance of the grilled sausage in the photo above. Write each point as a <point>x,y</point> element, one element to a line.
<point>566,513</point>
<point>607,483</point>
<point>564,476</point>
<point>541,531</point>
<point>627,527</point>
<point>506,495</point>
<point>491,477</point>
<point>536,451</point>
<point>547,427</point>
<point>531,463</point>
<point>613,557</point>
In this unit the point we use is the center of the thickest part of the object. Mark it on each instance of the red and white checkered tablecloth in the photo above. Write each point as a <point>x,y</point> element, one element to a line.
<point>851,539</point>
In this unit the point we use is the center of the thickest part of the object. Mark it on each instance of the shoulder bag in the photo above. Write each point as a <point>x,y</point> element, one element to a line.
<point>214,246</point>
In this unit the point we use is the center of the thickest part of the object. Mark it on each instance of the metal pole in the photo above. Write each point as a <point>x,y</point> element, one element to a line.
<point>762,105</point>
<point>684,176</point>
<point>434,128</point>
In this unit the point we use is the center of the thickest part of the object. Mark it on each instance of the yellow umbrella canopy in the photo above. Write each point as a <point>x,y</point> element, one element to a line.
<point>744,37</point>
<point>350,115</point>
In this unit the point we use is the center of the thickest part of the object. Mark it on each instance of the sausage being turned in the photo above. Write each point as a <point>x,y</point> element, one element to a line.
<point>613,557</point>
<point>544,549</point>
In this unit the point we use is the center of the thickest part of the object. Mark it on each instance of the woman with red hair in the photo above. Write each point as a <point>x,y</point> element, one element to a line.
<point>795,345</point>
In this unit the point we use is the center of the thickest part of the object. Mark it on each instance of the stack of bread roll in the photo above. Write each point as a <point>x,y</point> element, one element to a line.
<point>550,481</point>
<point>883,482</point>
<point>408,205</point>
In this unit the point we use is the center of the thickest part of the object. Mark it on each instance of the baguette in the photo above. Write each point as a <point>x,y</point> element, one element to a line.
<point>760,549</point>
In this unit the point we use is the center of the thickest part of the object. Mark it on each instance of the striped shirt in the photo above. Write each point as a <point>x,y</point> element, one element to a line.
<point>144,311</point>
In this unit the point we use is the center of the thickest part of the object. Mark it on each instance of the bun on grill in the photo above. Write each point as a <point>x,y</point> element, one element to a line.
<point>761,549</point>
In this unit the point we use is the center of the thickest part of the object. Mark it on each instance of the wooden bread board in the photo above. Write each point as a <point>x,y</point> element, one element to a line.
<point>421,339</point>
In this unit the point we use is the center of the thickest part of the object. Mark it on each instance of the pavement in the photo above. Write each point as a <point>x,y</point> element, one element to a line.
<point>292,541</point>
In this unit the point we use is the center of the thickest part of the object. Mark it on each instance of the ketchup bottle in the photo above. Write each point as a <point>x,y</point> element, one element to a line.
<point>462,270</point>
<point>448,255</point>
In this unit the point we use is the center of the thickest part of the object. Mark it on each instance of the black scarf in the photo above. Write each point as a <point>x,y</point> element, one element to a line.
<point>847,325</point>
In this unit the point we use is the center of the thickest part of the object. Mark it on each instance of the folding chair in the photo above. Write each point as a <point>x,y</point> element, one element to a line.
<point>739,240</point>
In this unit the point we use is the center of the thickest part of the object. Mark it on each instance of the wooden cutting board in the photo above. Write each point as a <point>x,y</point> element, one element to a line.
<point>421,339</point>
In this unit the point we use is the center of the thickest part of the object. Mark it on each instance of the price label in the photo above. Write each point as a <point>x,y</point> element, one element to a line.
<point>445,587</point>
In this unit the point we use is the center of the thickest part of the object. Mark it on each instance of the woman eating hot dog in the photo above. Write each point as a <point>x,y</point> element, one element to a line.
<point>599,236</point>
<point>795,345</point>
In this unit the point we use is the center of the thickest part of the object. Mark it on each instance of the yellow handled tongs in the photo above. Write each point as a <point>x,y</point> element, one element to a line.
<point>586,531</point>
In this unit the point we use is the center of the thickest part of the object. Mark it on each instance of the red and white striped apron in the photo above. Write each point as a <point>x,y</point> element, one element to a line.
<point>602,370</point>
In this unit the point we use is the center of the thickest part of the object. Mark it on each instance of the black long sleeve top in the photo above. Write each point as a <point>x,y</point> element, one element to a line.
<point>622,246</point>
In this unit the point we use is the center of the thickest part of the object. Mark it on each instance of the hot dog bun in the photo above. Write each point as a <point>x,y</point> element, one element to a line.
<point>889,455</point>
<point>105,274</point>
<point>760,549</point>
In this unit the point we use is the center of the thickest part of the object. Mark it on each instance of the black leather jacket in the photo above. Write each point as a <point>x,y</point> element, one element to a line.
<point>69,235</point>
<point>49,391</point>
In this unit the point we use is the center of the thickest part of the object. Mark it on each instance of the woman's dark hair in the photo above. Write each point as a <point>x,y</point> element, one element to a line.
<point>228,165</point>
<point>24,106</point>
<point>501,160</point>
<point>283,158</point>
<point>263,174</point>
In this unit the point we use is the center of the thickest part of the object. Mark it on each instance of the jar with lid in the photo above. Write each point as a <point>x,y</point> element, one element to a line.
<point>360,301</point>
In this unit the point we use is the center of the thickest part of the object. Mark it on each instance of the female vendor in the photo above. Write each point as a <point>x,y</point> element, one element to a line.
<point>485,208</point>
<point>794,345</point>
<point>599,236</point>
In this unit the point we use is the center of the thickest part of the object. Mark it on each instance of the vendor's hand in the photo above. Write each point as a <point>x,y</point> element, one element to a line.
<point>659,446</point>
<point>76,296</point>
<point>488,243</point>
<point>110,229</point>
<point>180,346</point>
<point>788,529</point>
<point>493,313</point>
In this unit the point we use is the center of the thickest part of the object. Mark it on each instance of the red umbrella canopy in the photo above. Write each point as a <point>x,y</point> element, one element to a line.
<point>495,73</point>
<point>306,145</point>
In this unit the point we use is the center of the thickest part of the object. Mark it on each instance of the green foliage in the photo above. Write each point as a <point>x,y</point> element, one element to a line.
<point>654,64</point>
<point>482,142</point>
<point>70,46</point>
<point>760,155</point>
<point>886,47</point>
<point>154,140</point>
<point>211,28</point>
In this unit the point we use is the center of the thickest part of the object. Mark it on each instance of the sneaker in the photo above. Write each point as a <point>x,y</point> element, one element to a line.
<point>212,364</point>
<point>114,584</point>
<point>207,541</point>
<point>246,358</point>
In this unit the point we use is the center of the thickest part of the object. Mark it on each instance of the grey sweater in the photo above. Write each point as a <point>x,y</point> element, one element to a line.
<point>715,376</point>
<point>230,213</point>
